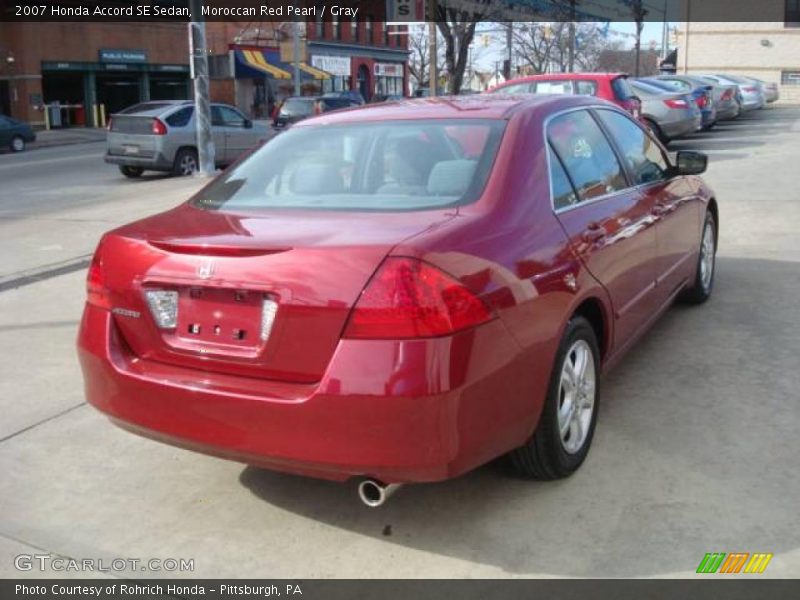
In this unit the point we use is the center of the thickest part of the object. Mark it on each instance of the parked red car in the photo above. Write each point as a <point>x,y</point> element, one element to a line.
<point>613,87</point>
<point>402,292</point>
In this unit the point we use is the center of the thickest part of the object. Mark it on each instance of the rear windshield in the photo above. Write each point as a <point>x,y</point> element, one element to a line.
<point>622,89</point>
<point>387,166</point>
<point>146,107</point>
<point>298,106</point>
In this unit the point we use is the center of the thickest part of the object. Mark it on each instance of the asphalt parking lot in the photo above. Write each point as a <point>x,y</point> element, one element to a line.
<point>696,447</point>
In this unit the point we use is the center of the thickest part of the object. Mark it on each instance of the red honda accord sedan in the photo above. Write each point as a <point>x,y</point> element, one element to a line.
<point>402,292</point>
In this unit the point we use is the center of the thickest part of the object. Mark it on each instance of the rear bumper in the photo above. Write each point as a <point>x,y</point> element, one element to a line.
<point>399,411</point>
<point>158,162</point>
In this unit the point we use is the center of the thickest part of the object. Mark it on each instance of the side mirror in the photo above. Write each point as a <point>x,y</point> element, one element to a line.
<point>691,163</point>
<point>248,124</point>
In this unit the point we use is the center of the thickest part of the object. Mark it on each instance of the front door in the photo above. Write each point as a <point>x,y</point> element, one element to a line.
<point>238,138</point>
<point>676,211</point>
<point>609,226</point>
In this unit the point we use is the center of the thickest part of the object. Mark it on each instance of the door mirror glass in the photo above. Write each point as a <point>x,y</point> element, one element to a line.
<point>248,124</point>
<point>691,163</point>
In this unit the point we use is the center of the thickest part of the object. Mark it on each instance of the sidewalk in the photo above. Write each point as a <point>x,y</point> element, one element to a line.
<point>68,136</point>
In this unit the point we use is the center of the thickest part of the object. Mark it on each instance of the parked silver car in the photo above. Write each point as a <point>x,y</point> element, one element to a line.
<point>751,94</point>
<point>724,96</point>
<point>771,90</point>
<point>668,115</point>
<point>161,136</point>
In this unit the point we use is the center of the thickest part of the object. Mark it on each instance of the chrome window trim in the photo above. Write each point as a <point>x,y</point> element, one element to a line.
<point>589,108</point>
<point>545,127</point>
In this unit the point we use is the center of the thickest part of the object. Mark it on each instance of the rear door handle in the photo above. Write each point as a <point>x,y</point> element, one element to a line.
<point>594,232</point>
<point>660,209</point>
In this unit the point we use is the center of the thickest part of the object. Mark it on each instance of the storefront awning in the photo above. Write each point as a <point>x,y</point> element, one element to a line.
<point>268,62</point>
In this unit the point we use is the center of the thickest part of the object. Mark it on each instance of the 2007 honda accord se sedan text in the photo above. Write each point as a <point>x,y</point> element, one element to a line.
<point>402,292</point>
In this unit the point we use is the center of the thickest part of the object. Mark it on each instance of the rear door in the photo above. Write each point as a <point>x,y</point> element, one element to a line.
<point>676,210</point>
<point>609,225</point>
<point>132,135</point>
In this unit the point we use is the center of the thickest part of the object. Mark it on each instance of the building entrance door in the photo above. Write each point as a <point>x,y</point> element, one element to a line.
<point>5,98</point>
<point>364,83</point>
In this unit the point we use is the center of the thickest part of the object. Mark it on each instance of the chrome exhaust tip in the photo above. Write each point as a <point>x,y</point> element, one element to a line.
<point>373,493</point>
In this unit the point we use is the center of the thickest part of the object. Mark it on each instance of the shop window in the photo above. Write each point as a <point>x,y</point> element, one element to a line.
<point>368,29</point>
<point>792,17</point>
<point>354,29</point>
<point>337,28</point>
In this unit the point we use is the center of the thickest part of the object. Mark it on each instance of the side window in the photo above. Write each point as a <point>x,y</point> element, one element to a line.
<point>180,118</point>
<point>586,88</point>
<point>586,155</point>
<point>563,192</point>
<point>643,155</point>
<point>230,117</point>
<point>554,87</point>
<point>216,116</point>
<point>517,88</point>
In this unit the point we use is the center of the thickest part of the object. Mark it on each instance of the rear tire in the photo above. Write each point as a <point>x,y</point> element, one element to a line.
<point>17,144</point>
<point>653,126</point>
<point>186,162</point>
<point>131,172</point>
<point>566,427</point>
<point>706,265</point>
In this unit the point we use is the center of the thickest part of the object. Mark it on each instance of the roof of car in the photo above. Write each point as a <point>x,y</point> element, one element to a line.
<point>479,106</point>
<point>560,76</point>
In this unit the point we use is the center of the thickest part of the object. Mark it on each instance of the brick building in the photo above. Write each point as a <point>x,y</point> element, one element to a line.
<point>81,65</point>
<point>768,48</point>
<point>249,69</point>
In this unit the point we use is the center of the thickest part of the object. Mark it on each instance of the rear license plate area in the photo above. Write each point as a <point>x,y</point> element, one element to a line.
<point>130,149</point>
<point>212,317</point>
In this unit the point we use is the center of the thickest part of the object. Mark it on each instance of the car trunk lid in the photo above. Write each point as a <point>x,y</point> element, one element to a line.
<point>132,136</point>
<point>296,276</point>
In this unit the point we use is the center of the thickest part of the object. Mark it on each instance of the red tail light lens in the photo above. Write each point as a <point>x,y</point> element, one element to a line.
<point>677,103</point>
<point>96,290</point>
<point>159,128</point>
<point>408,298</point>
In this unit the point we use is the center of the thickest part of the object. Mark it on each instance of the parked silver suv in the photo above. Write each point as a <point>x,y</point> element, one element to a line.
<point>161,136</point>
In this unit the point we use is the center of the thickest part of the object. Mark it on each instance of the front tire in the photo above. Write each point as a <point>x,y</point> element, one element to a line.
<point>17,144</point>
<point>186,162</point>
<point>706,265</point>
<point>131,172</point>
<point>566,427</point>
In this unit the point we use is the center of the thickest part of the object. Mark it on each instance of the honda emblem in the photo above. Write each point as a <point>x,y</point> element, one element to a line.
<point>205,269</point>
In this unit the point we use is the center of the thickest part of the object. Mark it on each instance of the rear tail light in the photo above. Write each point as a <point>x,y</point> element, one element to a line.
<point>408,298</point>
<point>678,103</point>
<point>750,90</point>
<point>96,290</point>
<point>159,128</point>
<point>164,307</point>
<point>268,311</point>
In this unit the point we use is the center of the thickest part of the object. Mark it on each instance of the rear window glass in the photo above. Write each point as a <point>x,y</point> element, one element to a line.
<point>622,89</point>
<point>516,88</point>
<point>387,166</point>
<point>554,87</point>
<point>145,107</point>
<point>180,118</point>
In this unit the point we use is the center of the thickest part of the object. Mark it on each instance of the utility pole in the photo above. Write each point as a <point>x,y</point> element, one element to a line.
<point>509,44</point>
<point>202,105</point>
<point>571,36</point>
<point>432,49</point>
<point>296,55</point>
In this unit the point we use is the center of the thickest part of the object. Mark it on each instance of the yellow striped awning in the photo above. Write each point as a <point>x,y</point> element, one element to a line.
<point>256,60</point>
<point>314,72</point>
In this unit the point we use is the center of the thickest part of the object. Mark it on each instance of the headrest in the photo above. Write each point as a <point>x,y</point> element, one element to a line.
<point>316,179</point>
<point>451,177</point>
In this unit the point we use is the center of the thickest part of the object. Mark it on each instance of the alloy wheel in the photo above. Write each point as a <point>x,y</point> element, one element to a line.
<point>707,252</point>
<point>188,164</point>
<point>576,396</point>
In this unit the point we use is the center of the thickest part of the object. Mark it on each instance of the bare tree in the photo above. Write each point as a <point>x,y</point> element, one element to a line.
<point>419,62</point>
<point>457,28</point>
<point>543,45</point>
